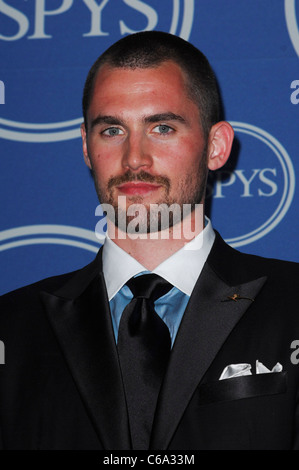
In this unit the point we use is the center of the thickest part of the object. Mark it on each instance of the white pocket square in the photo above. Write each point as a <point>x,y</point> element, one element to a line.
<point>238,370</point>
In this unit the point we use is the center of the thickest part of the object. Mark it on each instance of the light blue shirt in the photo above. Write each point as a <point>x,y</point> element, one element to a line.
<point>182,270</point>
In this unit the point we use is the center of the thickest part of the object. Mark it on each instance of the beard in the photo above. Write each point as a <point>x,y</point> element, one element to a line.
<point>164,213</point>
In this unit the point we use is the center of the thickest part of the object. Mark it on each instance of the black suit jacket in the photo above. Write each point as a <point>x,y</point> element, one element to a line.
<point>61,386</point>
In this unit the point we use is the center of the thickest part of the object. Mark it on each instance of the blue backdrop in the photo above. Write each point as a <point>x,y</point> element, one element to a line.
<point>46,49</point>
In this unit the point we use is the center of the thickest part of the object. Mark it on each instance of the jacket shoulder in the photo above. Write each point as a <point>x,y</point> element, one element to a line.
<point>241,267</point>
<point>27,296</point>
<point>32,290</point>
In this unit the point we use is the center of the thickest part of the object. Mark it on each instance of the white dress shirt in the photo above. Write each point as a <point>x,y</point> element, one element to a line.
<point>181,269</point>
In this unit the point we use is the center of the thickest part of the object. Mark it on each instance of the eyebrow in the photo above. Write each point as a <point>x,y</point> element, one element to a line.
<point>116,121</point>
<point>111,120</point>
<point>164,117</point>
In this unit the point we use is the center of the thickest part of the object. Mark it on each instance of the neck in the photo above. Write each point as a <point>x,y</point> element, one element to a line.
<point>151,249</point>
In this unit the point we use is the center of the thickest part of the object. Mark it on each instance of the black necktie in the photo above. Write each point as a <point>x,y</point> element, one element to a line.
<point>144,347</point>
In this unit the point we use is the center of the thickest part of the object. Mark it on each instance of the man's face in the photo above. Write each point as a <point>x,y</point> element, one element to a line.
<point>144,138</point>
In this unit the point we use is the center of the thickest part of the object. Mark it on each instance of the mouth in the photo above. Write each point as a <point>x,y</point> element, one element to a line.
<point>138,188</point>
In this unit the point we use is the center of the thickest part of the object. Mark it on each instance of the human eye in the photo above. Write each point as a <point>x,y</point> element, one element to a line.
<point>163,129</point>
<point>112,132</point>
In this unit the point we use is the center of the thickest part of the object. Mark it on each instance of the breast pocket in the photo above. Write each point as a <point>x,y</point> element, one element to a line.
<point>238,388</point>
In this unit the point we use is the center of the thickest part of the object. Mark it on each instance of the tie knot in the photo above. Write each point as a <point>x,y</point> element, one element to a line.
<point>149,286</point>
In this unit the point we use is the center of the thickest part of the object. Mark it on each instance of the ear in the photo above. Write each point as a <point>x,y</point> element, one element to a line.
<point>220,143</point>
<point>84,145</point>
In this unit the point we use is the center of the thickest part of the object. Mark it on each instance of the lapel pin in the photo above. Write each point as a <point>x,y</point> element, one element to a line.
<point>236,297</point>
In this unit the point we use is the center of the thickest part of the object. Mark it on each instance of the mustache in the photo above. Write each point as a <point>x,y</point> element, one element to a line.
<point>143,177</point>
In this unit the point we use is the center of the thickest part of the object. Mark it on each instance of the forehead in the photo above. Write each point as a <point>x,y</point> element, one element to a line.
<point>121,86</point>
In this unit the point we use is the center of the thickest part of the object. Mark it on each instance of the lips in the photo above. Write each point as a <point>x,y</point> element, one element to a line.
<point>138,188</point>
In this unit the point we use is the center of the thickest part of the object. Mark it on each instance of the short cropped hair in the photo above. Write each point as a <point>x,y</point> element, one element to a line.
<point>151,48</point>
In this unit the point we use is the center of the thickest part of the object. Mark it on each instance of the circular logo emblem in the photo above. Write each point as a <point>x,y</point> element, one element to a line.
<point>261,187</point>
<point>49,234</point>
<point>290,14</point>
<point>176,16</point>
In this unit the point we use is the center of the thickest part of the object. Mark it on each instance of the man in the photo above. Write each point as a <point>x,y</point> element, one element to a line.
<point>95,359</point>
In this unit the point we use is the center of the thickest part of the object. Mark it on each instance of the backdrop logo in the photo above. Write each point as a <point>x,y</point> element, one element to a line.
<point>36,21</point>
<point>260,189</point>
<point>51,235</point>
<point>292,25</point>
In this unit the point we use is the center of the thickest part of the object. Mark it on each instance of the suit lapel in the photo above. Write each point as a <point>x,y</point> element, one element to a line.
<point>82,324</point>
<point>208,320</point>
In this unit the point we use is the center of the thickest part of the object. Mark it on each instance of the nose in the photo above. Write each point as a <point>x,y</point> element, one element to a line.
<point>136,153</point>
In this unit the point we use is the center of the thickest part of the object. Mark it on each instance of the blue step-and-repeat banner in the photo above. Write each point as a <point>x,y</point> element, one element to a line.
<point>47,197</point>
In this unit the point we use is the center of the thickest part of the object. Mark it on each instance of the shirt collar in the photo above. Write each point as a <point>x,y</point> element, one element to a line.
<point>181,269</point>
